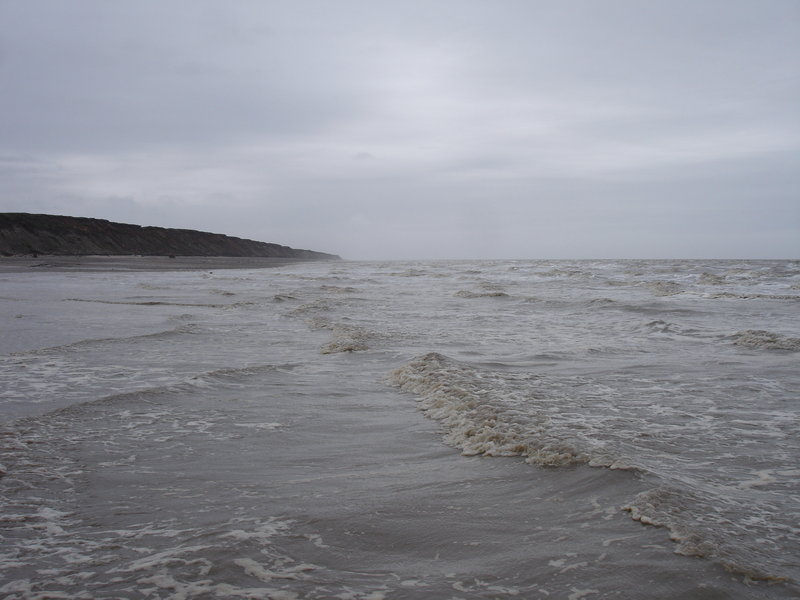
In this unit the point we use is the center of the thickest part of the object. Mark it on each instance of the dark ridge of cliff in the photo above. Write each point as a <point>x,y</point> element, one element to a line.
<point>31,234</point>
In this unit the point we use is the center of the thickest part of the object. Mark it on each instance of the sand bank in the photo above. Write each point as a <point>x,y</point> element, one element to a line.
<point>139,263</point>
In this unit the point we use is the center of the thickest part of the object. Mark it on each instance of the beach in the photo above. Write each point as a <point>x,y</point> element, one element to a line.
<point>16,264</point>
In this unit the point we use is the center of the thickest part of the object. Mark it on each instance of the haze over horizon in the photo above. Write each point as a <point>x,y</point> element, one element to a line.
<point>385,130</point>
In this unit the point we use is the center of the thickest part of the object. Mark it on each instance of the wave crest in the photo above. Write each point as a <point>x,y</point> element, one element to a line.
<point>490,294</point>
<point>677,510</point>
<point>346,338</point>
<point>506,414</point>
<point>759,338</point>
<point>478,416</point>
<point>664,288</point>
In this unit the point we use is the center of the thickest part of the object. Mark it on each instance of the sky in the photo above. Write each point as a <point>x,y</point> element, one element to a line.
<point>410,129</point>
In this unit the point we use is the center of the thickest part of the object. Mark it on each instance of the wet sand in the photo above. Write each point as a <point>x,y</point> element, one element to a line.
<point>16,264</point>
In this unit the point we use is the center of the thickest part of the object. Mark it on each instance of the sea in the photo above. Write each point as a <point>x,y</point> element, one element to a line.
<point>587,429</point>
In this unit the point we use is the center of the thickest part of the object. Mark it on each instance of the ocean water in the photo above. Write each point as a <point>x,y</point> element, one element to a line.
<point>355,430</point>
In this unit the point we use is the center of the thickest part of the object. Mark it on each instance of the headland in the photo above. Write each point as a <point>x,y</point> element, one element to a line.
<point>64,242</point>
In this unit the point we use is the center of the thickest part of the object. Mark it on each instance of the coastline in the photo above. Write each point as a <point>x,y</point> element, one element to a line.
<point>62,263</point>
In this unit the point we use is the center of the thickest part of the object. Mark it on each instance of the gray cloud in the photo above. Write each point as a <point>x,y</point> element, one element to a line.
<point>384,129</point>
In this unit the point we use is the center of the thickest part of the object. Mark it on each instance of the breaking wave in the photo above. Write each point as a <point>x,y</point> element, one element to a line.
<point>760,339</point>
<point>664,288</point>
<point>686,515</point>
<point>711,279</point>
<point>346,338</point>
<point>506,414</point>
<point>479,417</point>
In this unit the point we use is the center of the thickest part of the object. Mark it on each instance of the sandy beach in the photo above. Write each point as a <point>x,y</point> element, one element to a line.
<point>16,264</point>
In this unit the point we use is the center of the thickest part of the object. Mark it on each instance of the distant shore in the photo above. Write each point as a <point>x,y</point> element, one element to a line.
<point>17,264</point>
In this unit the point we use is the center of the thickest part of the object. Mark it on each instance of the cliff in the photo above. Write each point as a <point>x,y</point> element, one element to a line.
<point>25,234</point>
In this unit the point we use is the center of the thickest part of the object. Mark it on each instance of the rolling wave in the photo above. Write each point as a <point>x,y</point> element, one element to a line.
<point>766,340</point>
<point>575,421</point>
<point>185,329</point>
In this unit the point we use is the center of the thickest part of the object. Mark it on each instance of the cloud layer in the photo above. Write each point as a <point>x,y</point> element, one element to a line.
<point>452,129</point>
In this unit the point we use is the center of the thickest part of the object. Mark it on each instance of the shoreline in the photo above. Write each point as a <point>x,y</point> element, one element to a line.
<point>80,263</point>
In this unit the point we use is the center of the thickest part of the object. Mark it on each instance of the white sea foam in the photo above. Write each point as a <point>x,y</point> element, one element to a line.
<point>707,278</point>
<point>503,414</point>
<point>346,338</point>
<point>664,288</point>
<point>481,417</point>
<point>686,515</point>
<point>766,340</point>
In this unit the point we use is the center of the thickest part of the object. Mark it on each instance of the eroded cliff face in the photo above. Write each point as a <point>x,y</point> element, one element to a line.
<point>26,234</point>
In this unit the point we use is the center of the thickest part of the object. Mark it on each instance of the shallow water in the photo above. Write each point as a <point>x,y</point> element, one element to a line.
<point>263,433</point>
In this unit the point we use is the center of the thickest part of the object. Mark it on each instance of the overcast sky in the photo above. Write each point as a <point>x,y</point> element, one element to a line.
<point>413,129</point>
